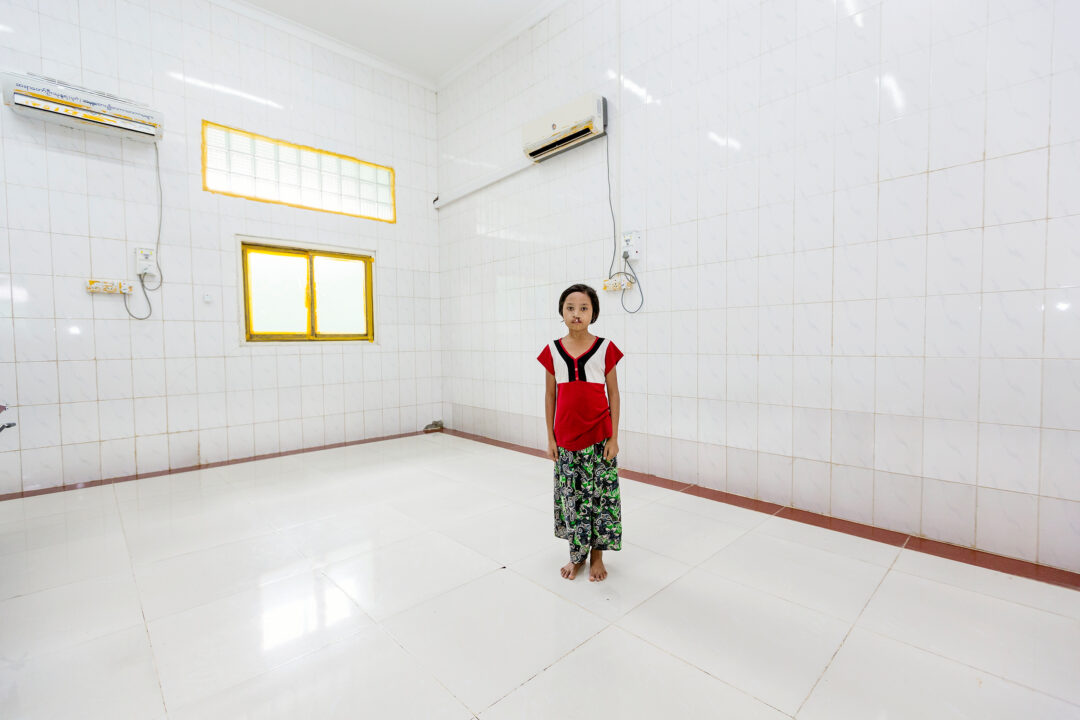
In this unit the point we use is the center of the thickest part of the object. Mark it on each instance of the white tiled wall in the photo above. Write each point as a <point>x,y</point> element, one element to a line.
<point>861,260</point>
<point>97,395</point>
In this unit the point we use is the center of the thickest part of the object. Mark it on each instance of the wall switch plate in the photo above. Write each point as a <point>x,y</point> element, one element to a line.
<point>145,261</point>
<point>111,287</point>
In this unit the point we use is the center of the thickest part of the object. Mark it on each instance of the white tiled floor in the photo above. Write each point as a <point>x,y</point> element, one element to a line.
<point>418,578</point>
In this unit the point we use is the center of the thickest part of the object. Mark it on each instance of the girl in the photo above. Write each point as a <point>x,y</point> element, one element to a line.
<point>583,431</point>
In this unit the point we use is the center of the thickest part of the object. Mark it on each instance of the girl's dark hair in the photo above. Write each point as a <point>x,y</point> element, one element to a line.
<point>581,289</point>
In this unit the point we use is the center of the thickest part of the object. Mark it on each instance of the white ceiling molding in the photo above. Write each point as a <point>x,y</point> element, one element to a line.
<point>541,11</point>
<point>327,42</point>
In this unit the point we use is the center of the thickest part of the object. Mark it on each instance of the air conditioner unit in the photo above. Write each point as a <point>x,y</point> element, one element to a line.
<point>561,129</point>
<point>73,106</point>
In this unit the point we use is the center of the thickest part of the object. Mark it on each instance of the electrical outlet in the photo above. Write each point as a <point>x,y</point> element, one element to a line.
<point>631,245</point>
<point>617,284</point>
<point>111,287</point>
<point>145,262</point>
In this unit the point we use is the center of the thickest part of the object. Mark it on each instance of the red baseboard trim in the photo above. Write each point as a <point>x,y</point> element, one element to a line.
<point>189,468</point>
<point>969,556</point>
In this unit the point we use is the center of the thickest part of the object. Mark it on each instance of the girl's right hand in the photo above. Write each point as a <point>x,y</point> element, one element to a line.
<point>553,451</point>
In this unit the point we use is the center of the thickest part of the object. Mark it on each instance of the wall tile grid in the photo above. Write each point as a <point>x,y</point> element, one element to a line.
<point>97,395</point>
<point>861,259</point>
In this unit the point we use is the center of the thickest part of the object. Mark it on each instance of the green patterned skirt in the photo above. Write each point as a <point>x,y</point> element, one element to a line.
<point>588,510</point>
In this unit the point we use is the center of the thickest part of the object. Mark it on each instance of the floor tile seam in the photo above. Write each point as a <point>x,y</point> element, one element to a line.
<point>715,520</point>
<point>142,613</point>
<point>847,634</point>
<point>425,600</point>
<point>796,603</point>
<point>688,662</point>
<point>67,647</point>
<point>220,598</point>
<point>36,518</point>
<point>548,590</point>
<point>135,565</point>
<point>89,578</point>
<point>1073,618</point>
<point>272,667</point>
<point>423,665</point>
<point>544,669</point>
<point>764,516</point>
<point>833,553</point>
<point>57,546</point>
<point>839,553</point>
<point>976,668</point>
<point>688,568</point>
<point>205,548</point>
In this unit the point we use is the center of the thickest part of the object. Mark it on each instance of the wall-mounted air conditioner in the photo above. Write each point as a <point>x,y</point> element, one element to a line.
<point>565,127</point>
<point>48,99</point>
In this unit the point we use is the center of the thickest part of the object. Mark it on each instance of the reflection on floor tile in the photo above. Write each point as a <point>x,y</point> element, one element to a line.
<point>418,578</point>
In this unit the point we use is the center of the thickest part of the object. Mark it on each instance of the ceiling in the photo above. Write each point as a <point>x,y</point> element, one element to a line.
<point>431,39</point>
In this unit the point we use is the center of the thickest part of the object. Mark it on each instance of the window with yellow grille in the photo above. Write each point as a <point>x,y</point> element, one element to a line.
<point>298,294</point>
<point>243,164</point>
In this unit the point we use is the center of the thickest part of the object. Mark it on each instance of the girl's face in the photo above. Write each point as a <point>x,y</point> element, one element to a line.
<point>577,311</point>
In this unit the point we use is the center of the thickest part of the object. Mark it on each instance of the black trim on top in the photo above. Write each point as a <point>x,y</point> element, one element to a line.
<point>570,374</point>
<point>584,359</point>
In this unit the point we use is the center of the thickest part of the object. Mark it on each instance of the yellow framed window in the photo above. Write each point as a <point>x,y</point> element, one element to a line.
<point>297,294</point>
<point>243,164</point>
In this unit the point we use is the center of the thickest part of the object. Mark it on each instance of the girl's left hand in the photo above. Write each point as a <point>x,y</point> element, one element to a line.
<point>611,449</point>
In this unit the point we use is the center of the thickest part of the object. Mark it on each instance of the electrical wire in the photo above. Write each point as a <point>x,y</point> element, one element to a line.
<point>149,307</point>
<point>612,273</point>
<point>157,248</point>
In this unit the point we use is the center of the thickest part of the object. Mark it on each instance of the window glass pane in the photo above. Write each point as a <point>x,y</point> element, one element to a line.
<point>289,174</point>
<point>216,158</point>
<point>217,180</point>
<point>277,288</point>
<point>266,170</point>
<point>241,163</point>
<point>215,137</point>
<point>289,193</point>
<point>340,296</point>
<point>262,168</point>
<point>288,154</point>
<point>264,149</point>
<point>242,185</point>
<point>331,201</point>
<point>241,143</point>
<point>267,189</point>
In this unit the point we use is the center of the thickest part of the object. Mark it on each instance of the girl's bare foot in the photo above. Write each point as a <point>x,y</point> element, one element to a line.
<point>569,570</point>
<point>597,571</point>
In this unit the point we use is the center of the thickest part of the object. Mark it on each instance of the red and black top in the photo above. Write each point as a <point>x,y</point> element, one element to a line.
<point>582,413</point>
